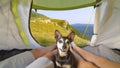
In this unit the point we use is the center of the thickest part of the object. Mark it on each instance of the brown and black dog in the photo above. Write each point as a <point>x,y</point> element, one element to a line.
<point>64,57</point>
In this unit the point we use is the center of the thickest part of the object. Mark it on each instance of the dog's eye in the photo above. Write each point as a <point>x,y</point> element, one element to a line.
<point>60,41</point>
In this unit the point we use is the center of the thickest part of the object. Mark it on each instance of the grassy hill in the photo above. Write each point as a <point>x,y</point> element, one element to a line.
<point>37,15</point>
<point>43,27</point>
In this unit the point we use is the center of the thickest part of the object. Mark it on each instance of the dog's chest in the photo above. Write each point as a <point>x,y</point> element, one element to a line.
<point>64,62</point>
<point>62,65</point>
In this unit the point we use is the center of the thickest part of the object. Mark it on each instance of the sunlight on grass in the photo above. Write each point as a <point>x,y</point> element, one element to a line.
<point>44,32</point>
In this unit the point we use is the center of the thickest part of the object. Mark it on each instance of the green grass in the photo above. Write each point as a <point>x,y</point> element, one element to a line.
<point>44,33</point>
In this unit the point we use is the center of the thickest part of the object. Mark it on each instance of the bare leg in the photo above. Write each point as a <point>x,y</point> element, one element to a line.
<point>104,51</point>
<point>99,61</point>
<point>81,61</point>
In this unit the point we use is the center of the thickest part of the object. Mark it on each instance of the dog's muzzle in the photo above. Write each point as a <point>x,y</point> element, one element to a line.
<point>63,50</point>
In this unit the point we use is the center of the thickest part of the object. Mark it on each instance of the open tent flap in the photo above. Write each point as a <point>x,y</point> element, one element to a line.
<point>12,14</point>
<point>14,24</point>
<point>107,24</point>
<point>24,8</point>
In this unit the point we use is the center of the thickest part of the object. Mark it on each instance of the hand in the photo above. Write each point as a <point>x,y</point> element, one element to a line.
<point>38,52</point>
<point>51,55</point>
<point>85,64</point>
<point>82,63</point>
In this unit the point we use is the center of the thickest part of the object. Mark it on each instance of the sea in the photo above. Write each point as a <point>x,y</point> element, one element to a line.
<point>86,29</point>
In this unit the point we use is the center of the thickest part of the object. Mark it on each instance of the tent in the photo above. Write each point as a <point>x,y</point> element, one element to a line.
<point>18,12</point>
<point>104,13</point>
<point>107,14</point>
<point>15,14</point>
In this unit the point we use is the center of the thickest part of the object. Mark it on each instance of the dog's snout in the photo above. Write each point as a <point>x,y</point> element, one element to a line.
<point>64,47</point>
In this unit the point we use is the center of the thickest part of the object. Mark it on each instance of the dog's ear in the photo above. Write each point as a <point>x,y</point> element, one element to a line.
<point>71,36</point>
<point>57,34</point>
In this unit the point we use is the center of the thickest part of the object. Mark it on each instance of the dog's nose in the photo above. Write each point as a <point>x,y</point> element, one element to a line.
<point>64,47</point>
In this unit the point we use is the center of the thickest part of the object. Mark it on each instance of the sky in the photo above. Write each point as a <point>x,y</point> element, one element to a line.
<point>82,16</point>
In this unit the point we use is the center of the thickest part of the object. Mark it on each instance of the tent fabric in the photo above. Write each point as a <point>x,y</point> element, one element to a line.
<point>9,32</point>
<point>108,24</point>
<point>96,24</point>
<point>24,11</point>
<point>62,4</point>
<point>10,37</point>
<point>18,21</point>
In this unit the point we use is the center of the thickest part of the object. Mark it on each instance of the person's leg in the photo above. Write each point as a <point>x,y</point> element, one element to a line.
<point>18,61</point>
<point>92,49</point>
<point>23,59</point>
<point>4,54</point>
<point>109,54</point>
<point>104,52</point>
<point>98,61</point>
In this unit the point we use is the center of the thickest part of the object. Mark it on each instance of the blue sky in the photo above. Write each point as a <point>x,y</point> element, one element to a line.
<point>84,15</point>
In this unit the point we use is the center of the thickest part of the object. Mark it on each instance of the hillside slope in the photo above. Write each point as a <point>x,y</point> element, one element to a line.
<point>43,27</point>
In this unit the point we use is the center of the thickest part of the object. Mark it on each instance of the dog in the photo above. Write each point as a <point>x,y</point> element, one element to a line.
<point>64,57</point>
